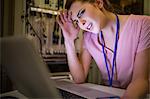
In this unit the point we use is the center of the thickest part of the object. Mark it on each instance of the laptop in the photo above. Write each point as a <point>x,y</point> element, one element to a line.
<point>31,76</point>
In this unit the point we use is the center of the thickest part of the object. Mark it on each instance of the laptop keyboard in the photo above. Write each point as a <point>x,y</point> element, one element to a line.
<point>68,90</point>
<point>68,95</point>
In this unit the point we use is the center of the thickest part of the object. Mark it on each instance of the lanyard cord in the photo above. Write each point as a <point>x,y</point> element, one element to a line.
<point>110,77</point>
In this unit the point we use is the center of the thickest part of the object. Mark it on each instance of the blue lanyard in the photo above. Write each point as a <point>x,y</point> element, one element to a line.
<point>110,77</point>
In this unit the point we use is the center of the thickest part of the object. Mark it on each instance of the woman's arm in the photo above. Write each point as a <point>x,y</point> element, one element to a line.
<point>79,67</point>
<point>139,86</point>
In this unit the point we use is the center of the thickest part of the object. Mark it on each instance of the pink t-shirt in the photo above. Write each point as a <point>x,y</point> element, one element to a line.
<point>135,37</point>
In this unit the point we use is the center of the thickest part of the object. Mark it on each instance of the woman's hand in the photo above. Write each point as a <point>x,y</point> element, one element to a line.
<point>70,32</point>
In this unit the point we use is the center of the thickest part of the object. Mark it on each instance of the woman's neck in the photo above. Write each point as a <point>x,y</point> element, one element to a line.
<point>110,26</point>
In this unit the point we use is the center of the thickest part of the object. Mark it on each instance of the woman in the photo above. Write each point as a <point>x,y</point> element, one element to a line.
<point>120,44</point>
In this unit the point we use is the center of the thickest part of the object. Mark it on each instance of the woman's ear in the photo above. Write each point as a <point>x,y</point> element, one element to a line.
<point>99,4</point>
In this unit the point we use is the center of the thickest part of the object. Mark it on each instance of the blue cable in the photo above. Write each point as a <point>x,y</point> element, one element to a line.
<point>110,77</point>
<point>115,50</point>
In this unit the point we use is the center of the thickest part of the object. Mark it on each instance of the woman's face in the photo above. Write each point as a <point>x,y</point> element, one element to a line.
<point>87,16</point>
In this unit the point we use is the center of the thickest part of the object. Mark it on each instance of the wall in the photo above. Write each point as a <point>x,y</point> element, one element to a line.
<point>18,22</point>
<point>1,17</point>
<point>147,7</point>
<point>11,17</point>
<point>8,17</point>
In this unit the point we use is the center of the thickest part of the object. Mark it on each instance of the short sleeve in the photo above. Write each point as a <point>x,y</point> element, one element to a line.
<point>144,38</point>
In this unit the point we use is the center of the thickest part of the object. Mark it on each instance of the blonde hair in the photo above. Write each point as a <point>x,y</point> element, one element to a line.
<point>107,5</point>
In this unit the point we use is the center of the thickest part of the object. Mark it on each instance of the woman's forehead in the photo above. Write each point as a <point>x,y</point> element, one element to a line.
<point>75,7</point>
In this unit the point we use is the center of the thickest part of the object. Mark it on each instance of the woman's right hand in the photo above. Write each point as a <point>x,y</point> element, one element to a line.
<point>70,32</point>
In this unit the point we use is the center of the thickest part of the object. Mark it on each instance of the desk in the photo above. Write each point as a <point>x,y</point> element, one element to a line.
<point>115,91</point>
<point>111,90</point>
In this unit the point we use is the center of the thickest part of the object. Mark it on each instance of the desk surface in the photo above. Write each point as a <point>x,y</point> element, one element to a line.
<point>115,91</point>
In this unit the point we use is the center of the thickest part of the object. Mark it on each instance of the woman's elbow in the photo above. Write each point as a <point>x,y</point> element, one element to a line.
<point>79,81</point>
